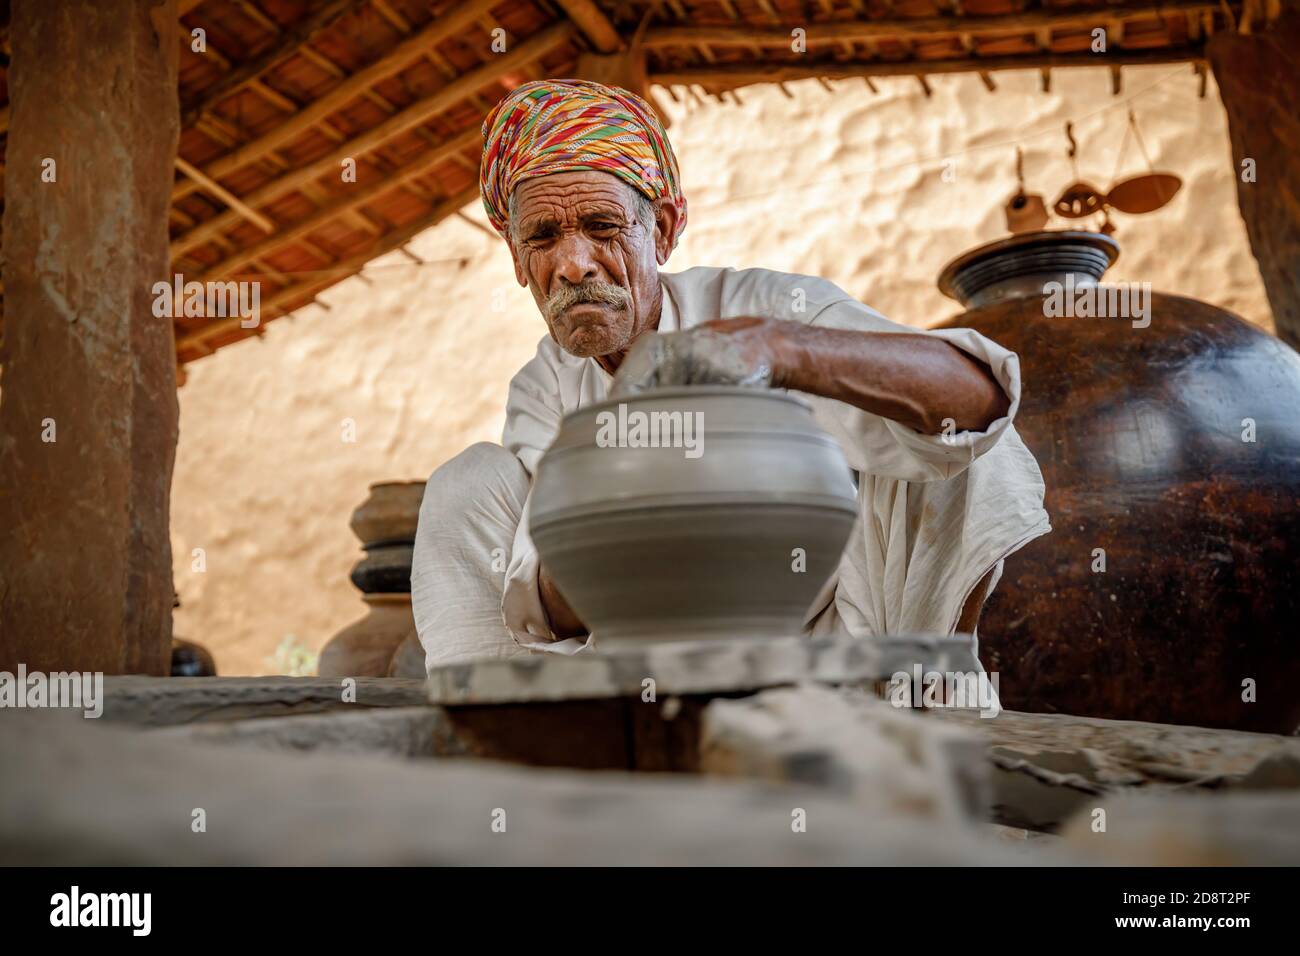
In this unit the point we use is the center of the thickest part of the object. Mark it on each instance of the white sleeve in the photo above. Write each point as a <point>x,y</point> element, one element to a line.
<point>881,446</point>
<point>533,415</point>
<point>533,410</point>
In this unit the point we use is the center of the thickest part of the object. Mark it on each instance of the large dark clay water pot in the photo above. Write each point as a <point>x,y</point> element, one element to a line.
<point>729,539</point>
<point>1169,589</point>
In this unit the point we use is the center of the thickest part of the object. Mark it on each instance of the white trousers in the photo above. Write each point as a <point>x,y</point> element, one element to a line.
<point>472,506</point>
<point>916,552</point>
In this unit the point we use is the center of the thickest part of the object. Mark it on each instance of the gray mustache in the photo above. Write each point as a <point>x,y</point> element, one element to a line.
<point>602,293</point>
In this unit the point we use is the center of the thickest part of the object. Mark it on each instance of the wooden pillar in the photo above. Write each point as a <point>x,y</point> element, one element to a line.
<point>88,408</point>
<point>1259,79</point>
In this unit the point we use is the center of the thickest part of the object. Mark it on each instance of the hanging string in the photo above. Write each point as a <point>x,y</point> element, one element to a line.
<point>1123,149</point>
<point>1073,151</point>
<point>1137,133</point>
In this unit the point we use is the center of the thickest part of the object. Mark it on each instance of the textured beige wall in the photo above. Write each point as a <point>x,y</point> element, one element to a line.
<point>850,187</point>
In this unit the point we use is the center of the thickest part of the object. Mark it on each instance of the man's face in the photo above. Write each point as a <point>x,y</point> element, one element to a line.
<point>592,267</point>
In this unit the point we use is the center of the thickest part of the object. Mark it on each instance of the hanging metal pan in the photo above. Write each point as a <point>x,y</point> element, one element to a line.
<point>1144,193</point>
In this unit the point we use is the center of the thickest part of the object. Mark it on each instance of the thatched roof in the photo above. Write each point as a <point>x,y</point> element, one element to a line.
<point>288,91</point>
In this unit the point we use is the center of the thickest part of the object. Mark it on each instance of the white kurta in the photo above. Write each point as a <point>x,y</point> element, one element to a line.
<point>935,514</point>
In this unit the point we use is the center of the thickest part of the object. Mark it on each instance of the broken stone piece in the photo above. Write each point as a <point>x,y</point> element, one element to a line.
<point>852,743</point>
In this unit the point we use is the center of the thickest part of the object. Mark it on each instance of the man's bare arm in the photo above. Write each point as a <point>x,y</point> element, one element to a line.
<point>917,380</point>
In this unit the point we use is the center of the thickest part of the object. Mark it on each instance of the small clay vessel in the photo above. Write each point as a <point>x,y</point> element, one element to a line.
<point>386,569</point>
<point>728,529</point>
<point>390,513</point>
<point>190,659</point>
<point>365,648</point>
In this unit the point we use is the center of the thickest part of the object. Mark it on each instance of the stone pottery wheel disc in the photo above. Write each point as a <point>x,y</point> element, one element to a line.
<point>696,513</point>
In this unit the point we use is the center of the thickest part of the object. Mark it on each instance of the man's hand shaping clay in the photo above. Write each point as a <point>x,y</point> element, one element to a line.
<point>914,379</point>
<point>738,353</point>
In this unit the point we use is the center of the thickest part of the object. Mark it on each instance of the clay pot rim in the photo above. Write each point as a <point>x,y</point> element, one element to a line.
<point>393,484</point>
<point>387,597</point>
<point>680,391</point>
<point>1044,237</point>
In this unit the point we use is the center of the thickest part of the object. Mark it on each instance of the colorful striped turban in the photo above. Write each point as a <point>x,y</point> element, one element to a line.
<point>555,126</point>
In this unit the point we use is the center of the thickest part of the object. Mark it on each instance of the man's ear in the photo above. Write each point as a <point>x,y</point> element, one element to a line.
<point>665,227</point>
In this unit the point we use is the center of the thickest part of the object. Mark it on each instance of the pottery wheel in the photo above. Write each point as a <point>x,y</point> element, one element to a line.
<point>696,667</point>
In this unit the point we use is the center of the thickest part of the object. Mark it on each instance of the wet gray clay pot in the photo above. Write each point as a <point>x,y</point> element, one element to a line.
<point>731,538</point>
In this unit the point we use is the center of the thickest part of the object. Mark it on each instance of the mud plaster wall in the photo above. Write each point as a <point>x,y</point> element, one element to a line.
<point>850,187</point>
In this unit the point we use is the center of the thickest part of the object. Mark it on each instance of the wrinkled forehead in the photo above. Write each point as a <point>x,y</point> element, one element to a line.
<point>572,196</point>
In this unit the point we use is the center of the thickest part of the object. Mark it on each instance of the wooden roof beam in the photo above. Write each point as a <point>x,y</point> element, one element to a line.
<point>343,268</point>
<point>593,23</point>
<point>391,63</point>
<point>904,28</point>
<point>741,74</point>
<point>394,18</point>
<point>347,202</point>
<point>412,116</point>
<point>257,16</point>
<point>212,228</point>
<point>226,196</point>
<point>293,40</point>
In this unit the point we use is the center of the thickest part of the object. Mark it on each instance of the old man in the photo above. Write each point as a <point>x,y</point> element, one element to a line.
<point>581,182</point>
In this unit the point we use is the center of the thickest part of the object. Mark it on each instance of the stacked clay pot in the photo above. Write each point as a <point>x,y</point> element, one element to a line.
<point>383,643</point>
<point>190,659</point>
<point>1169,588</point>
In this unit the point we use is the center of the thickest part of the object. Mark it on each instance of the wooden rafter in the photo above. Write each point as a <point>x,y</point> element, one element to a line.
<point>347,202</point>
<point>903,28</point>
<point>742,74</point>
<point>226,196</point>
<point>593,23</point>
<point>338,271</point>
<point>408,118</point>
<point>290,43</point>
<point>396,60</point>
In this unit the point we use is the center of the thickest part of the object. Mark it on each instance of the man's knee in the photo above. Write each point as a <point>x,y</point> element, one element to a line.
<point>479,458</point>
<point>468,520</point>
<point>482,468</point>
